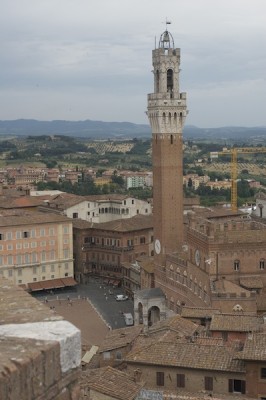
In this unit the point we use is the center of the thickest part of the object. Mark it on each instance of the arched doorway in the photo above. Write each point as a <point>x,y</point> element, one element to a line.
<point>153,315</point>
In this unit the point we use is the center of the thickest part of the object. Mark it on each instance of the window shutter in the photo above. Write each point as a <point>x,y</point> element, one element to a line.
<point>180,380</point>
<point>208,383</point>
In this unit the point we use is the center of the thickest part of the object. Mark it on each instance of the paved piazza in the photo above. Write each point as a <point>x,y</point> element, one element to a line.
<point>92,308</point>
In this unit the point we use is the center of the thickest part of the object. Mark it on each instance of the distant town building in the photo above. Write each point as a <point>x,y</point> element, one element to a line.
<point>98,208</point>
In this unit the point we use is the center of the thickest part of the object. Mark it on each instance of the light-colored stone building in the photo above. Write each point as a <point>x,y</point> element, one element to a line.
<point>35,247</point>
<point>98,208</point>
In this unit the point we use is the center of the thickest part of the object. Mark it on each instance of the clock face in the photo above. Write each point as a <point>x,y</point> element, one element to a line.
<point>157,246</point>
<point>197,257</point>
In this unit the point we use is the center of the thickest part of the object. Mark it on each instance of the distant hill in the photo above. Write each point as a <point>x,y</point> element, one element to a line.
<point>120,130</point>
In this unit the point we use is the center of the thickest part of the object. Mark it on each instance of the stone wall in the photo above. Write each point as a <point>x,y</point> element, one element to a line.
<point>40,353</point>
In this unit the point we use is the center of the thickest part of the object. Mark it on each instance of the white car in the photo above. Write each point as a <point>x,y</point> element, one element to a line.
<point>121,297</point>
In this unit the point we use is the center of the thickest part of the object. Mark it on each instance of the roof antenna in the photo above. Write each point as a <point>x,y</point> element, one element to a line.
<point>167,22</point>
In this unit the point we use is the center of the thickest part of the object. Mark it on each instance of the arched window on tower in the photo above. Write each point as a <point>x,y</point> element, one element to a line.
<point>157,80</point>
<point>170,82</point>
<point>171,139</point>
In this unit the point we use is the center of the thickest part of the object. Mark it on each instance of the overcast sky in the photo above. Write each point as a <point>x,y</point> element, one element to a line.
<point>91,59</point>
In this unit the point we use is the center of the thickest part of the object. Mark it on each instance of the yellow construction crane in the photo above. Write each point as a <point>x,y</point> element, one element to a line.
<point>234,151</point>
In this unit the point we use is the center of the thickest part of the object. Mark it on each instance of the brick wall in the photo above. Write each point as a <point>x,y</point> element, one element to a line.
<point>40,352</point>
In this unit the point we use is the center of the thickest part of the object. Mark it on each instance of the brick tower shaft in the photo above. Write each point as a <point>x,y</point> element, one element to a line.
<point>167,112</point>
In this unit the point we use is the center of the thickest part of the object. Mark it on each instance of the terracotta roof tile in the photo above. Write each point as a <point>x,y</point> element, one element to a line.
<point>128,224</point>
<point>254,348</point>
<point>111,382</point>
<point>34,217</point>
<point>138,222</point>
<point>236,322</point>
<point>254,282</point>
<point>198,312</point>
<point>118,338</point>
<point>187,355</point>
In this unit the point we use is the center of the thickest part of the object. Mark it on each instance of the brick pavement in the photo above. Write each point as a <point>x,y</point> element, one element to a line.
<point>81,314</point>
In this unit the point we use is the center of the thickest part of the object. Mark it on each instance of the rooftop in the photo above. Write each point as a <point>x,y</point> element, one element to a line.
<point>237,322</point>
<point>111,382</point>
<point>187,355</point>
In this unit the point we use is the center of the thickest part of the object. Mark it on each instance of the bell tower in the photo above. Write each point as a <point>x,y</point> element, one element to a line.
<point>167,112</point>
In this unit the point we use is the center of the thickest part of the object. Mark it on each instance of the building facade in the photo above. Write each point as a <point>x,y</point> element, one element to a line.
<point>35,247</point>
<point>103,249</point>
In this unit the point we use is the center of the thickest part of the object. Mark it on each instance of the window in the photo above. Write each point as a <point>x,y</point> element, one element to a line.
<point>10,247</point>
<point>208,383</point>
<point>9,235</point>
<point>262,263</point>
<point>118,355</point>
<point>225,336</point>
<point>132,201</point>
<point>19,271</point>
<point>43,256</point>
<point>10,272</point>
<point>26,234</point>
<point>19,246</point>
<point>52,268</point>
<point>236,386</point>
<point>106,355</point>
<point>142,240</point>
<point>33,245</point>
<point>10,260</point>
<point>263,373</point>
<point>236,265</point>
<point>180,380</point>
<point>66,253</point>
<point>42,232</point>
<point>51,231</point>
<point>160,378</point>
<point>34,270</point>
<point>33,233</point>
<point>1,260</point>
<point>18,235</point>
<point>75,215</point>
<point>43,268</point>
<point>1,236</point>
<point>65,229</point>
<point>52,276</point>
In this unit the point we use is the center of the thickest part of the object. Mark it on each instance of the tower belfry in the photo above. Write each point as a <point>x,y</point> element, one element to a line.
<point>167,112</point>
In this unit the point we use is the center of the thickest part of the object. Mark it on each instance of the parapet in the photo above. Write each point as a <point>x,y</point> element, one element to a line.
<point>40,351</point>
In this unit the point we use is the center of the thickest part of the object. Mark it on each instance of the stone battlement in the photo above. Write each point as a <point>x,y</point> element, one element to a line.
<point>40,351</point>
